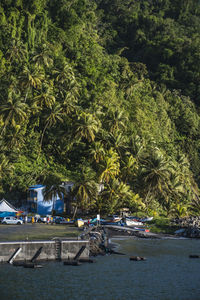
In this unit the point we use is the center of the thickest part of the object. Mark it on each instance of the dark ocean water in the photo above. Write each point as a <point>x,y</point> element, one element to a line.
<point>167,274</point>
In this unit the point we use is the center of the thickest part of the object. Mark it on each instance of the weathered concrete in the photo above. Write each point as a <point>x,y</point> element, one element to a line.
<point>70,248</point>
<point>51,250</point>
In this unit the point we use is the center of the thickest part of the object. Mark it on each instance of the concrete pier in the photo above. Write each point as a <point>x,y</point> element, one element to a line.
<point>49,250</point>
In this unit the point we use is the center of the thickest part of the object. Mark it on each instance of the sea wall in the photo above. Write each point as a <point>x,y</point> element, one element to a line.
<point>47,250</point>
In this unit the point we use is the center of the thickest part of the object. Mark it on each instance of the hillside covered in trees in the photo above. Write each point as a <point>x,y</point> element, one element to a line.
<point>101,91</point>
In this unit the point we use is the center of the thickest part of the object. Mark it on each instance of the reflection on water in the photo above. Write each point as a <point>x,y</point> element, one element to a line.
<point>168,273</point>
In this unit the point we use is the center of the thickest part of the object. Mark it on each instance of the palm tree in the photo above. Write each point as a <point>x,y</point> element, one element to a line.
<point>6,169</point>
<point>43,56</point>
<point>97,151</point>
<point>31,78</point>
<point>116,120</point>
<point>117,195</point>
<point>194,206</point>
<point>110,166</point>
<point>127,198</point>
<point>130,166</point>
<point>14,111</point>
<point>17,51</point>
<point>46,96</point>
<point>155,173</point>
<point>175,193</point>
<point>182,186</point>
<point>137,146</point>
<point>86,127</point>
<point>179,210</point>
<point>55,115</point>
<point>65,76</point>
<point>85,190</point>
<point>67,87</point>
<point>54,189</point>
<point>118,141</point>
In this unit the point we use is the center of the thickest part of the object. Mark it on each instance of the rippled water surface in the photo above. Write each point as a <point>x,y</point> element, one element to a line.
<point>168,273</point>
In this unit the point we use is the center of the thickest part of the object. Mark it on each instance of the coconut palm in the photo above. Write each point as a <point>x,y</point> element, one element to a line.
<point>65,76</point>
<point>31,78</point>
<point>97,151</point>
<point>155,174</point>
<point>43,57</point>
<point>110,166</point>
<point>54,189</point>
<point>67,87</point>
<point>86,127</point>
<point>117,195</point>
<point>130,166</point>
<point>116,120</point>
<point>179,210</point>
<point>194,206</point>
<point>13,111</point>
<point>109,198</point>
<point>17,51</point>
<point>137,147</point>
<point>118,141</point>
<point>54,115</point>
<point>181,184</point>
<point>6,168</point>
<point>46,96</point>
<point>85,190</point>
<point>175,192</point>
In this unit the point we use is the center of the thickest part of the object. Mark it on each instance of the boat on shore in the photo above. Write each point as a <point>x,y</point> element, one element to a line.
<point>146,219</point>
<point>112,220</point>
<point>133,223</point>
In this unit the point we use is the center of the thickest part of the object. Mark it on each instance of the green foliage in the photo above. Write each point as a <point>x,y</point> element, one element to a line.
<point>101,92</point>
<point>162,225</point>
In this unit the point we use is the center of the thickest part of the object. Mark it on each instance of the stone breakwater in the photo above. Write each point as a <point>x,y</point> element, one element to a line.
<point>189,226</point>
<point>98,240</point>
<point>99,236</point>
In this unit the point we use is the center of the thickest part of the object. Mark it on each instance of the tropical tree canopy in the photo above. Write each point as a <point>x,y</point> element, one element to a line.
<point>102,93</point>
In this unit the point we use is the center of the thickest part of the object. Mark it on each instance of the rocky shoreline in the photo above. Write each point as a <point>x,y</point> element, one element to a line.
<point>99,236</point>
<point>188,227</point>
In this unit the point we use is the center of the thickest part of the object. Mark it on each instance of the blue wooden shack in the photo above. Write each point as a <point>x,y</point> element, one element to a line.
<point>37,204</point>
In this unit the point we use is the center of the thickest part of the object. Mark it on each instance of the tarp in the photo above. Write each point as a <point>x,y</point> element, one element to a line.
<point>7,214</point>
<point>5,206</point>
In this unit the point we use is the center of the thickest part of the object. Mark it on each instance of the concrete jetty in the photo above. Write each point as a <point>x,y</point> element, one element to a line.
<point>58,249</point>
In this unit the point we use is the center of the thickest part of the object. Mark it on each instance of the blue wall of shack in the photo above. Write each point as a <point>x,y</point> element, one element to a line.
<point>41,207</point>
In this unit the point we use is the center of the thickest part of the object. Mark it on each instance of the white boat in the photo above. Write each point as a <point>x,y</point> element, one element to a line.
<point>133,223</point>
<point>147,219</point>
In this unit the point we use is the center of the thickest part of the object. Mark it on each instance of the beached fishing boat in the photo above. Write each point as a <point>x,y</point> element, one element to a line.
<point>132,222</point>
<point>80,223</point>
<point>112,220</point>
<point>147,219</point>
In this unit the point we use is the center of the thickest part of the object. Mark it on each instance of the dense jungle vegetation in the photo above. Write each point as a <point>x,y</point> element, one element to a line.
<point>102,91</point>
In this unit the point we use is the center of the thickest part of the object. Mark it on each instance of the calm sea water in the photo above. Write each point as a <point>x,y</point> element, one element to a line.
<point>167,274</point>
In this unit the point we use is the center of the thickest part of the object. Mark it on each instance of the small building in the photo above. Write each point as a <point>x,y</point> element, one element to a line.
<point>37,204</point>
<point>7,209</point>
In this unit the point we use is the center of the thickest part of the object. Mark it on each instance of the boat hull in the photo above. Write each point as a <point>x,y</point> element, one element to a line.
<point>133,223</point>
